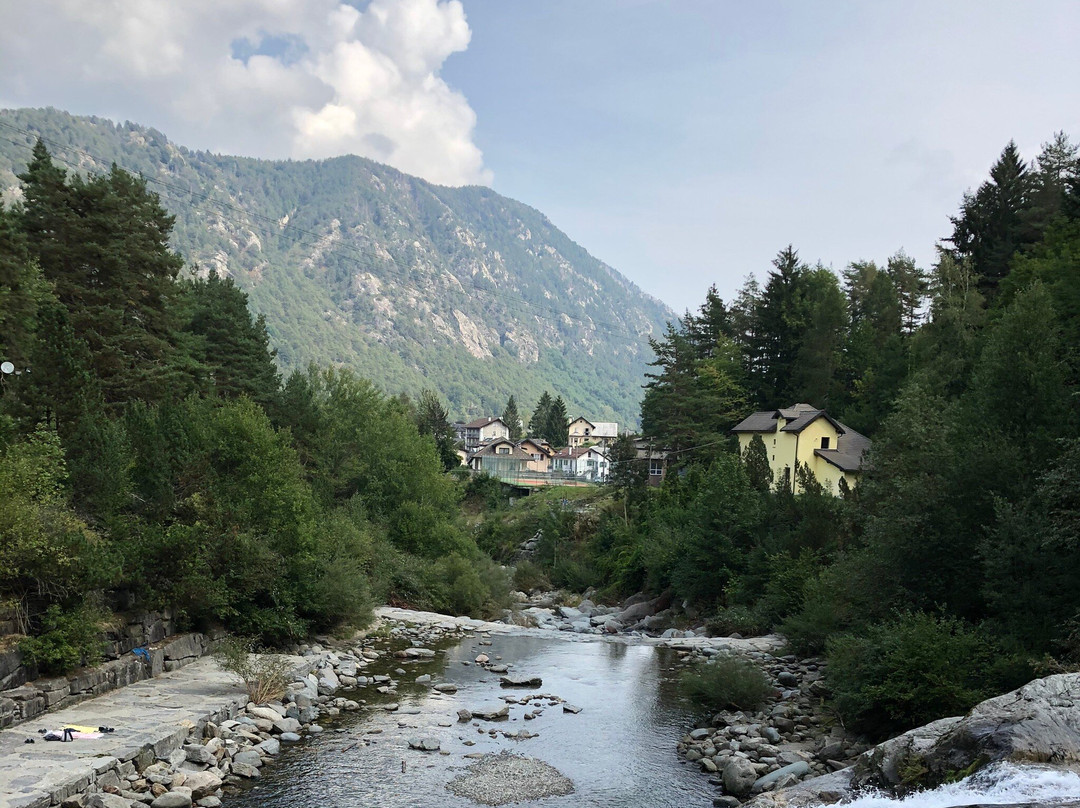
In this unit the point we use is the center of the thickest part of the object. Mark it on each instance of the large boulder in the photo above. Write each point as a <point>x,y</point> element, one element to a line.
<point>739,776</point>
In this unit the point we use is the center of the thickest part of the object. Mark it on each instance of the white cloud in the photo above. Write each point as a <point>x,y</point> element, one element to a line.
<point>320,77</point>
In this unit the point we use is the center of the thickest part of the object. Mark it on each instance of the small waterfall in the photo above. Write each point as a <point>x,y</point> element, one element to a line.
<point>997,784</point>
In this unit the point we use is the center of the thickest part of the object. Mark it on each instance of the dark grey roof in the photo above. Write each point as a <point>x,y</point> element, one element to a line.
<point>850,451</point>
<point>764,421</point>
<point>807,417</point>
<point>795,410</point>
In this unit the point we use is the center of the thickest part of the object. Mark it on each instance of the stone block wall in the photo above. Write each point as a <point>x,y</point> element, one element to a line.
<point>24,696</point>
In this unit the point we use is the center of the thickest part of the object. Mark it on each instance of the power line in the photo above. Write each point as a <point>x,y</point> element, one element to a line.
<point>277,230</point>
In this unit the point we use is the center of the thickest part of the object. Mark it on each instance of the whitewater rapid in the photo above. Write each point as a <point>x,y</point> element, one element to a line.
<point>997,784</point>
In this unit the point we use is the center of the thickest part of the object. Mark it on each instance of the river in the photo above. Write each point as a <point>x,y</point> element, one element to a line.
<point>619,750</point>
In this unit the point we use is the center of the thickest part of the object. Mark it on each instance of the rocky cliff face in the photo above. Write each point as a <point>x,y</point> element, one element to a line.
<point>412,284</point>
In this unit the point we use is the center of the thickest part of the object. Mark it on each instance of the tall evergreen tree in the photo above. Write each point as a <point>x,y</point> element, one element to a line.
<point>557,431</point>
<point>104,244</point>
<point>539,420</point>
<point>233,345</point>
<point>512,419</point>
<point>432,419</point>
<point>780,327</point>
<point>993,224</point>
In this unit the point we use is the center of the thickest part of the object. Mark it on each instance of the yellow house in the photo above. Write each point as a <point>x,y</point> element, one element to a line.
<point>582,432</point>
<point>804,435</point>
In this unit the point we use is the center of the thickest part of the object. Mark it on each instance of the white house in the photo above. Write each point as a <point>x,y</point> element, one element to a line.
<point>589,463</point>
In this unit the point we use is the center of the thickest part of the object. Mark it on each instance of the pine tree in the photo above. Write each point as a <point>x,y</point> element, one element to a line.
<point>233,345</point>
<point>432,419</point>
<point>538,422</point>
<point>103,242</point>
<point>994,222</point>
<point>512,420</point>
<point>557,430</point>
<point>911,287</point>
<point>756,461</point>
<point>781,322</point>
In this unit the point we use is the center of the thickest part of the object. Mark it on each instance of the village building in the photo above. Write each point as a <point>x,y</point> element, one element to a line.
<point>583,432</point>
<point>584,463</point>
<point>647,453</point>
<point>500,458</point>
<point>804,436</point>
<point>484,429</point>
<point>541,453</point>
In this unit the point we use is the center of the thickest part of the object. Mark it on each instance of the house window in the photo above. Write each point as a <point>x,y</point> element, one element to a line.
<point>656,468</point>
<point>824,443</point>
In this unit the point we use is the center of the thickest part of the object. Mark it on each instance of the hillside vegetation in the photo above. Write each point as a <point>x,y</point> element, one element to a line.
<point>354,264</point>
<point>952,571</point>
<point>150,456</point>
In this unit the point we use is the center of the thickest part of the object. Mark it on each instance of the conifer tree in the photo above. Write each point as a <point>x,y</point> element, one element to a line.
<point>432,419</point>
<point>557,430</point>
<point>103,243</point>
<point>233,345</point>
<point>539,420</point>
<point>756,461</point>
<point>512,419</point>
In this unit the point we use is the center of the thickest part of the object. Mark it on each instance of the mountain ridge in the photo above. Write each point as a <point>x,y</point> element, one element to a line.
<point>355,263</point>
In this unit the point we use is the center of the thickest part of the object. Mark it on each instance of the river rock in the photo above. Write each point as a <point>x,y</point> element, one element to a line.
<point>244,770</point>
<point>248,757</point>
<point>491,713</point>
<point>270,746</point>
<point>570,708</point>
<point>290,737</point>
<point>521,681</point>
<point>172,799</point>
<point>265,713</point>
<point>103,801</point>
<point>287,725</point>
<point>202,784</point>
<point>198,754</point>
<point>446,687</point>
<point>1037,722</point>
<point>739,776</point>
<point>428,744</point>
<point>771,779</point>
<point>464,715</point>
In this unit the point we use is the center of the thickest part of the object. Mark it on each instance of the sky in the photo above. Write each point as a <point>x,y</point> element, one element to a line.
<point>685,142</point>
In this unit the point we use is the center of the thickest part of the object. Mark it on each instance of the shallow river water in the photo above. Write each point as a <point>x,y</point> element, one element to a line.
<point>619,750</point>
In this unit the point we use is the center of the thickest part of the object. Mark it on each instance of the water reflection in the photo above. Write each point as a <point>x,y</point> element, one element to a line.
<point>619,750</point>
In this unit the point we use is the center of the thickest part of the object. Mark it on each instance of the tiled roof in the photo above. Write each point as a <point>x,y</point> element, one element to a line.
<point>480,423</point>
<point>763,421</point>
<point>807,417</point>
<point>850,451</point>
<point>491,450</point>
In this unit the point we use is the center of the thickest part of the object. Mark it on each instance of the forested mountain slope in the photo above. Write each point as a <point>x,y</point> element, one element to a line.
<point>411,284</point>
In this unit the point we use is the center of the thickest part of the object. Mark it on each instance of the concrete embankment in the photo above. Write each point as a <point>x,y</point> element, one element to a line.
<point>151,719</point>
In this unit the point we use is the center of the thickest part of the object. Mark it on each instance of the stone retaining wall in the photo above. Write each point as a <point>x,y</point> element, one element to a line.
<point>33,697</point>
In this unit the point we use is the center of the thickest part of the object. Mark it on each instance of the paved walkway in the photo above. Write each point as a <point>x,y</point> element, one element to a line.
<point>151,718</point>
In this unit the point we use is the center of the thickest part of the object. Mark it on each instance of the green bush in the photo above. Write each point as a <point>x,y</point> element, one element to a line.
<point>66,639</point>
<point>528,576</point>
<point>736,619</point>
<point>914,669</point>
<point>728,682</point>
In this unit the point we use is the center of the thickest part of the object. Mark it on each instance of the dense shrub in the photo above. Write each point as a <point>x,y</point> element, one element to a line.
<point>528,576</point>
<point>727,682</point>
<point>914,669</point>
<point>736,619</point>
<point>67,638</point>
